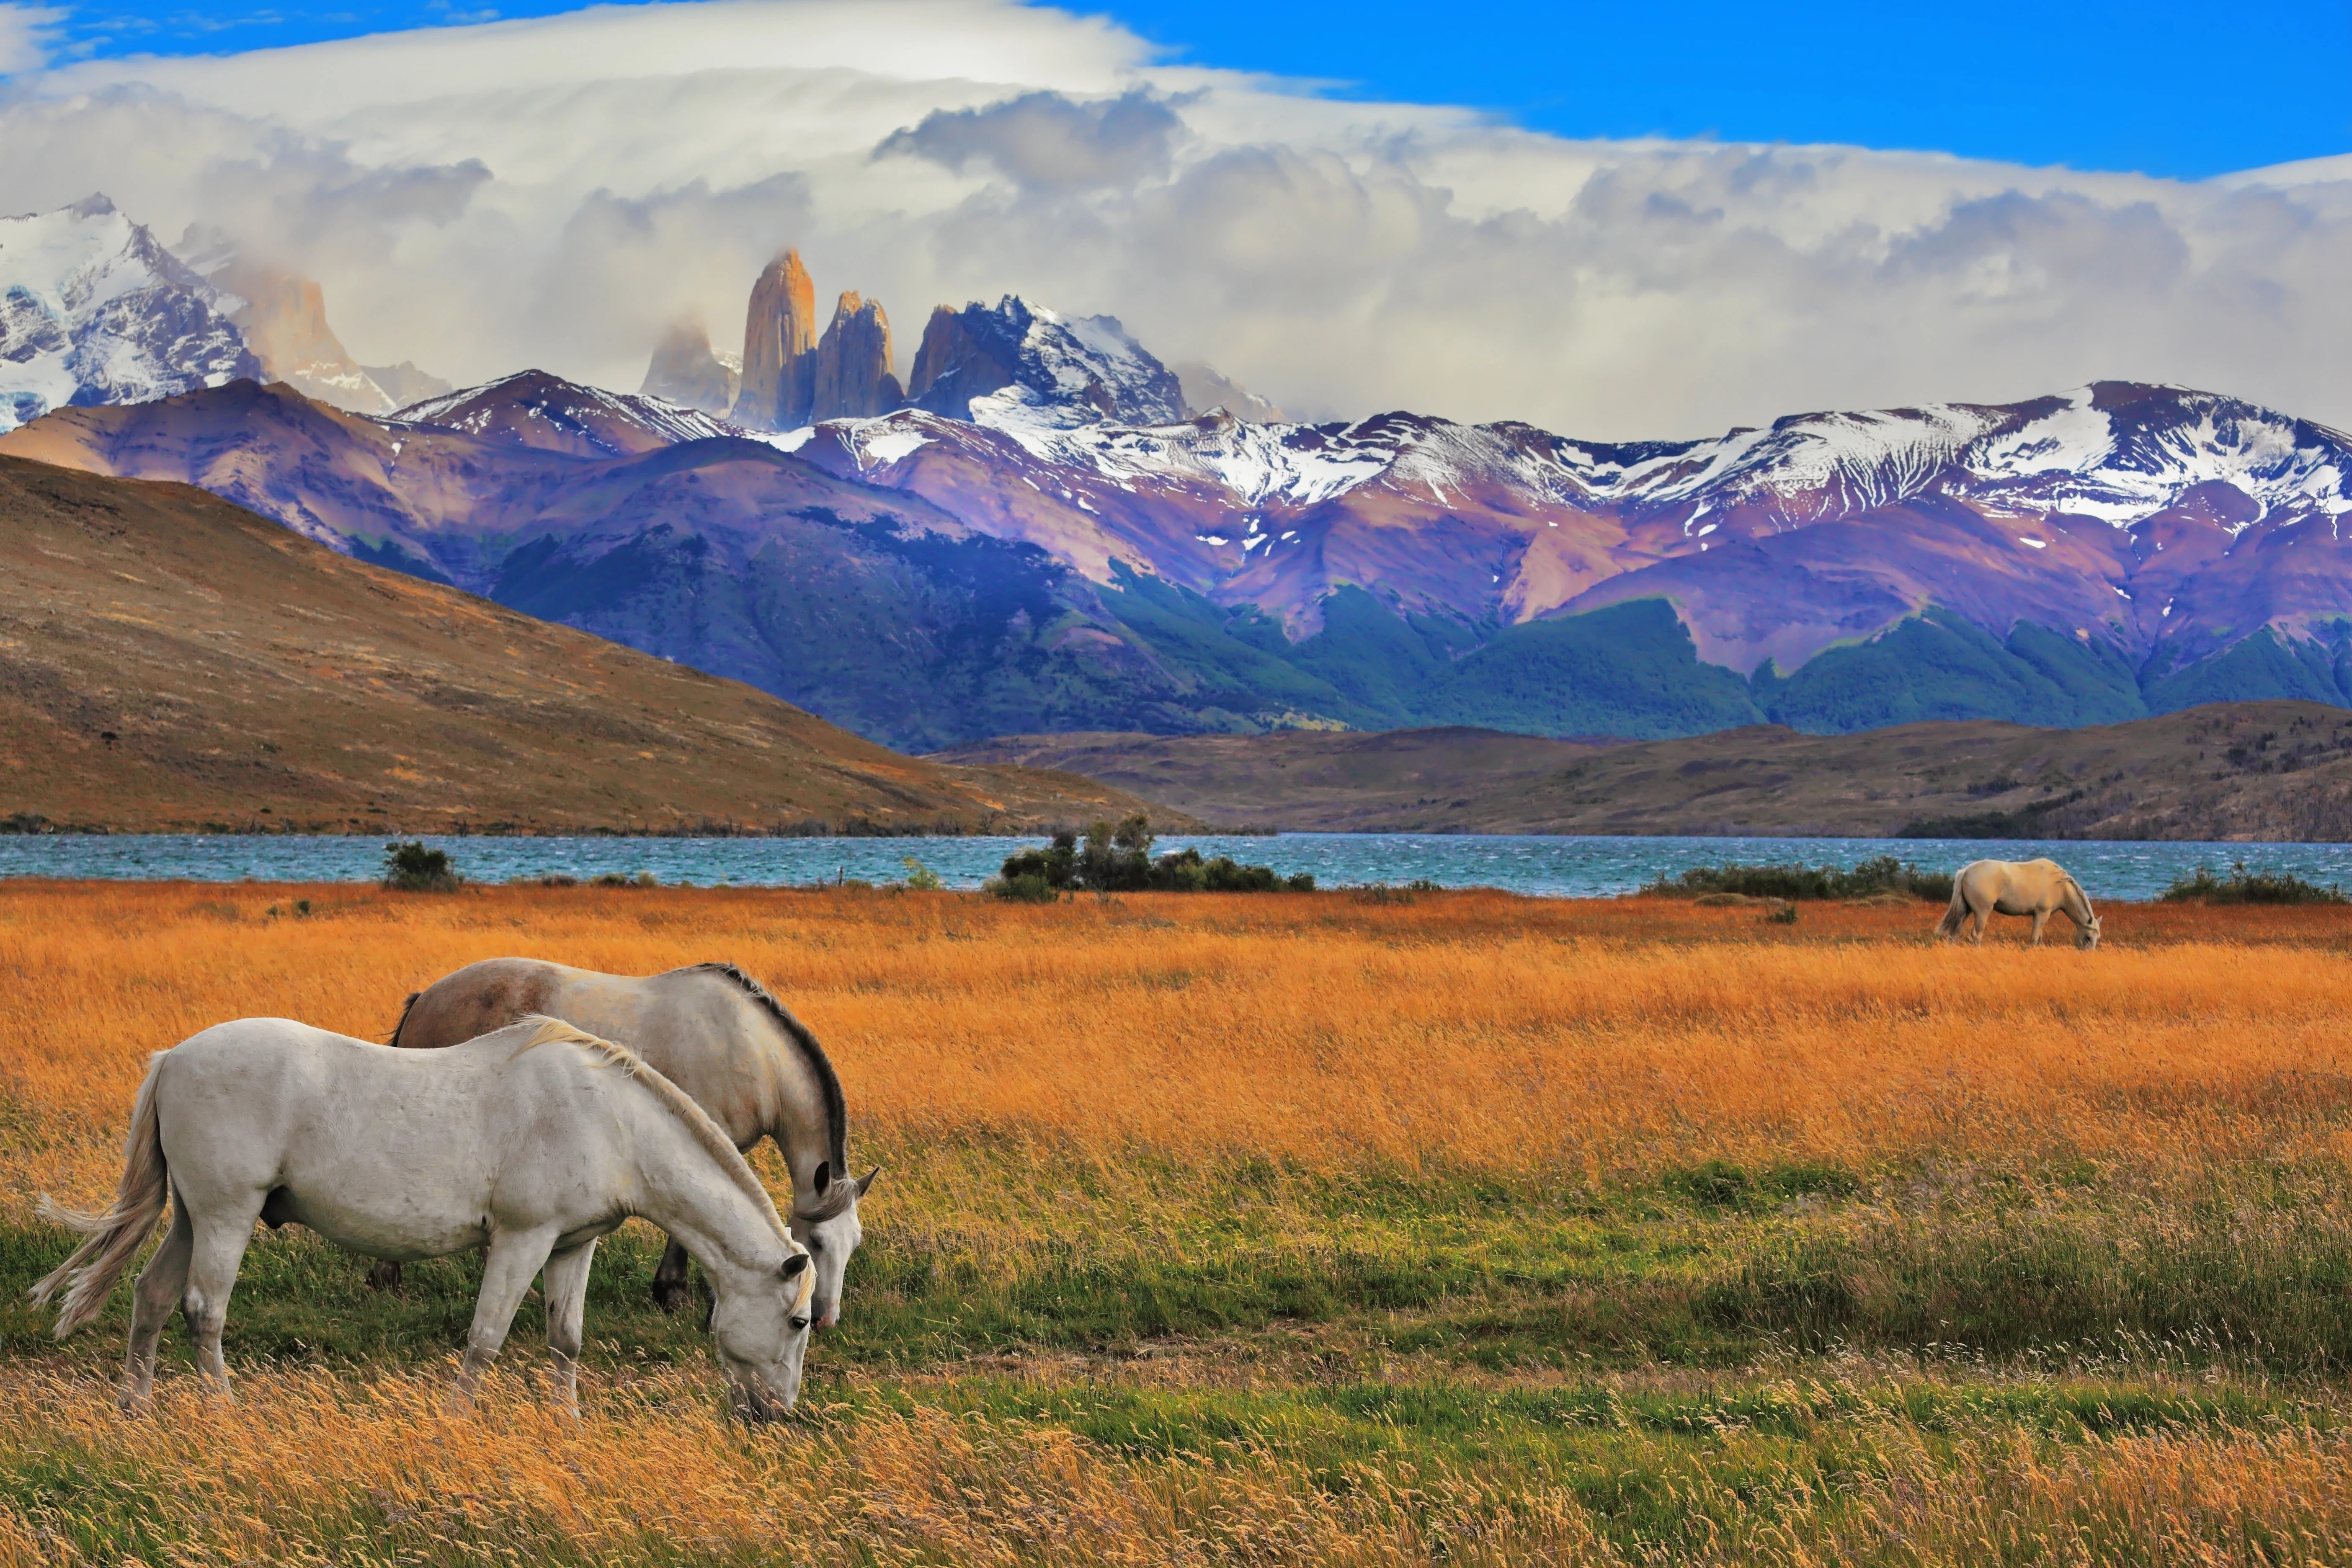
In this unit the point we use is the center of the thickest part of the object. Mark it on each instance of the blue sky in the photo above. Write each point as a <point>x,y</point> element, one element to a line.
<point>2159,87</point>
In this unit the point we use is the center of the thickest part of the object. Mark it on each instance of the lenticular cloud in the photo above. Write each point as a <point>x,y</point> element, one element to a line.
<point>553,193</point>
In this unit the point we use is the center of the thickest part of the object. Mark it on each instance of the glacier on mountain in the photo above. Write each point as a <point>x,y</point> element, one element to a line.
<point>94,310</point>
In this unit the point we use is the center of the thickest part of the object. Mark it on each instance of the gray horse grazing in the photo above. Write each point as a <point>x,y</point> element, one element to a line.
<point>1983,888</point>
<point>532,1142</point>
<point>717,1034</point>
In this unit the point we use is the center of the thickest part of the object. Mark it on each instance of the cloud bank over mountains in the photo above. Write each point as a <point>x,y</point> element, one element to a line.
<point>554,193</point>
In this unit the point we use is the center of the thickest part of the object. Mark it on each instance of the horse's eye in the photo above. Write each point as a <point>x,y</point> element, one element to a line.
<point>799,1324</point>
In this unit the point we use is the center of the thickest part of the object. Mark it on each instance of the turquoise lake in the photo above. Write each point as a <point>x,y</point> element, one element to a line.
<point>1553,867</point>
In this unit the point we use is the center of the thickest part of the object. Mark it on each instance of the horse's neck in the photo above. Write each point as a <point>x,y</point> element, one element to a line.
<point>799,1125</point>
<point>2077,902</point>
<point>683,1188</point>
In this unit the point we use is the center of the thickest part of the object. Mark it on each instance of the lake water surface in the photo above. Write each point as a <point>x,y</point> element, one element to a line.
<point>1557,866</point>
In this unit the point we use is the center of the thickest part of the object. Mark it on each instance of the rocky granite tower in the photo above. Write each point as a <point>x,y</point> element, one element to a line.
<point>853,362</point>
<point>685,369</point>
<point>779,383</point>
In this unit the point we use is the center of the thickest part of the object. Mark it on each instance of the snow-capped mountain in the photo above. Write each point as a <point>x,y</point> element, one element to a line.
<point>94,310</point>
<point>546,412</point>
<point>1018,367</point>
<point>1005,557</point>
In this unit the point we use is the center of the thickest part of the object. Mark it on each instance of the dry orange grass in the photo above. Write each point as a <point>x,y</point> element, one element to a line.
<point>307,1469</point>
<point>1523,1037</point>
<point>1538,1042</point>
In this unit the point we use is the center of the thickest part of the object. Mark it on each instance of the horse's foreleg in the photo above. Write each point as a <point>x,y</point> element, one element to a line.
<point>514,1258</point>
<point>216,1248</point>
<point>2041,919</point>
<point>671,1278</point>
<point>567,1299</point>
<point>161,1285</point>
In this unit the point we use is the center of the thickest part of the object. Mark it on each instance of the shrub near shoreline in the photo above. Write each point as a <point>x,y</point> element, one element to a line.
<point>1880,874</point>
<point>1118,861</point>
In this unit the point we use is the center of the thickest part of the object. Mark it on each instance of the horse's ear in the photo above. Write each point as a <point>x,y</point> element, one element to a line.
<point>792,1266</point>
<point>822,1180</point>
<point>866,1182</point>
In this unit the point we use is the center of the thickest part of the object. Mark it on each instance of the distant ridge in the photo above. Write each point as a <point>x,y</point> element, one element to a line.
<point>2251,771</point>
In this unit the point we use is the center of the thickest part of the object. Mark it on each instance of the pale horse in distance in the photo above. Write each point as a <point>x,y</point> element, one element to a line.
<point>717,1034</point>
<point>533,1141</point>
<point>1983,888</point>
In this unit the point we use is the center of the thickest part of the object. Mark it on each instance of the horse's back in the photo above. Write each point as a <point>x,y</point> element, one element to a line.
<point>479,998</point>
<point>392,1152</point>
<point>696,1027</point>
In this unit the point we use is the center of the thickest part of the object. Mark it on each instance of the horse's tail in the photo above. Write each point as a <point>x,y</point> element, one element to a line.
<point>117,1234</point>
<point>1957,916</point>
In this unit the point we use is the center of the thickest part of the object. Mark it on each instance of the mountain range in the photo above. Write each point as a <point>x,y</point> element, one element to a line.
<point>172,663</point>
<point>1040,531</point>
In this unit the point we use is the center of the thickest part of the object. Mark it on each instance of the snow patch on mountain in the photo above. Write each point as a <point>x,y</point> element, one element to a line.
<point>584,410</point>
<point>2088,461</point>
<point>93,309</point>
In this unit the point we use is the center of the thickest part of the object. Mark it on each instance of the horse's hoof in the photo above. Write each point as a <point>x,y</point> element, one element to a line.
<point>669,1295</point>
<point>384,1276</point>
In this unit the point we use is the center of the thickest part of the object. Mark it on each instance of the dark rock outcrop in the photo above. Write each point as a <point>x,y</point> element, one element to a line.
<point>1065,371</point>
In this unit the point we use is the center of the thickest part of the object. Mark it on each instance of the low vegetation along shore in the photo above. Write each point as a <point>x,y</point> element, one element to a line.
<point>1289,1227</point>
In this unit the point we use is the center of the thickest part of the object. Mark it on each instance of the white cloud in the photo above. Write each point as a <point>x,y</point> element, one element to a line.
<point>550,191</point>
<point>24,37</point>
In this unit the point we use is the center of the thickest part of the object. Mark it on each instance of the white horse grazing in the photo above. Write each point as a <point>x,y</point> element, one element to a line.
<point>532,1142</point>
<point>713,1031</point>
<point>2036,888</point>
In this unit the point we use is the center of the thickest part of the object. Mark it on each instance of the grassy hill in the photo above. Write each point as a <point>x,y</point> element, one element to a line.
<point>170,662</point>
<point>2275,770</point>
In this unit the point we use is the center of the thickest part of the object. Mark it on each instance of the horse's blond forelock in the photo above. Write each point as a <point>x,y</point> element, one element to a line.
<point>546,1031</point>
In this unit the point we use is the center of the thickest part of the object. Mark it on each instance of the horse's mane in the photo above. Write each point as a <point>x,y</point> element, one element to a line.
<point>829,1082</point>
<point>407,1006</point>
<point>547,1031</point>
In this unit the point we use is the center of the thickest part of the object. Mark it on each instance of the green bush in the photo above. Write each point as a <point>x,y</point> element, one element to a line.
<point>1028,888</point>
<point>411,868</point>
<point>1118,861</point>
<point>2244,887</point>
<point>1881,874</point>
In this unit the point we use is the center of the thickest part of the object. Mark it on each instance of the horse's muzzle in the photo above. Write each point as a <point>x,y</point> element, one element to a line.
<point>754,1403</point>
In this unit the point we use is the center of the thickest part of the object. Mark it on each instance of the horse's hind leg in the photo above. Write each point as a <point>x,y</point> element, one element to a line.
<point>566,1278</point>
<point>161,1285</point>
<point>1982,918</point>
<point>217,1247</point>
<point>515,1257</point>
<point>669,1278</point>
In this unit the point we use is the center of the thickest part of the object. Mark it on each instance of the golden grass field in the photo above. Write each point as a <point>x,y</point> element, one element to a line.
<point>1299,1228</point>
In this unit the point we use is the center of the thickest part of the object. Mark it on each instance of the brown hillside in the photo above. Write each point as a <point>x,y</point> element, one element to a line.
<point>170,662</point>
<point>2228,771</point>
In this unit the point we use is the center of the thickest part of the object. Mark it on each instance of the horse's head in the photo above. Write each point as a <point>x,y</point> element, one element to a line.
<point>827,1226</point>
<point>2086,935</point>
<point>762,1334</point>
